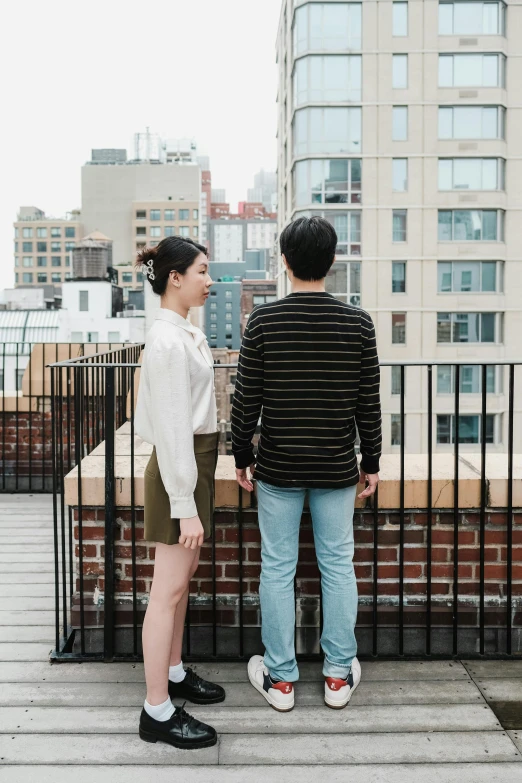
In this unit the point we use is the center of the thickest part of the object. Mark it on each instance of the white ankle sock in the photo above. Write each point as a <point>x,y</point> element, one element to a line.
<point>160,711</point>
<point>177,673</point>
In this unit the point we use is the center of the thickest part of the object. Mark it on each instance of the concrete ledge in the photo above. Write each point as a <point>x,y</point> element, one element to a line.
<point>415,485</point>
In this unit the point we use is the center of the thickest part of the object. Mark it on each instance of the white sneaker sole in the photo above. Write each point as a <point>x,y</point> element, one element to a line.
<point>275,706</point>
<point>339,705</point>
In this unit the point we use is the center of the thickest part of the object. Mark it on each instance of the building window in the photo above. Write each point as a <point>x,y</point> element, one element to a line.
<point>471,173</point>
<point>344,282</point>
<point>471,225</point>
<point>56,277</point>
<point>69,246</point>
<point>184,231</point>
<point>398,328</point>
<point>16,247</point>
<point>126,277</point>
<point>16,277</point>
<point>170,231</point>
<point>347,227</point>
<point>170,214</point>
<point>396,429</point>
<point>41,233</point>
<point>17,261</point>
<point>141,231</point>
<point>27,261</point>
<point>56,247</point>
<point>41,261</point>
<point>472,122</point>
<point>327,182</point>
<point>155,214</point>
<point>469,328</point>
<point>56,261</point>
<point>213,316</point>
<point>195,214</point>
<point>17,232</point>
<point>228,317</point>
<point>41,277</point>
<point>213,306</point>
<point>84,301</point>
<point>67,262</point>
<point>228,305</point>
<point>398,277</point>
<point>76,337</point>
<point>327,130</point>
<point>399,71</point>
<point>472,18</point>
<point>400,174</point>
<point>114,337</point>
<point>140,245</point>
<point>27,233</point>
<point>470,379</point>
<point>92,337</point>
<point>400,19</point>
<point>400,227</point>
<point>155,231</point>
<point>396,380</point>
<point>70,232</point>
<point>56,232</point>
<point>469,276</point>
<point>141,214</point>
<point>228,294</point>
<point>336,78</point>
<point>41,247</point>
<point>27,247</point>
<point>327,27</point>
<point>470,429</point>
<point>195,231</point>
<point>27,277</point>
<point>472,70</point>
<point>184,214</point>
<point>400,123</point>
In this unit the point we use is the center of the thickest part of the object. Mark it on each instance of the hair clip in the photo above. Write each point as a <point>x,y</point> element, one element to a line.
<point>150,272</point>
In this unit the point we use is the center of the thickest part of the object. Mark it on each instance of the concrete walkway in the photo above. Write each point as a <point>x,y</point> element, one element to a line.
<point>407,721</point>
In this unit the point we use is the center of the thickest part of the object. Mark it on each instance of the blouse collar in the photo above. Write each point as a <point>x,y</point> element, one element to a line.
<point>200,338</point>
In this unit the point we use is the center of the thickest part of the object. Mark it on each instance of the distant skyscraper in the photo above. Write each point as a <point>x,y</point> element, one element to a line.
<point>265,186</point>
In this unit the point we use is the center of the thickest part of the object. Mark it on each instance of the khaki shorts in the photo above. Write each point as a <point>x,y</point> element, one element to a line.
<point>159,526</point>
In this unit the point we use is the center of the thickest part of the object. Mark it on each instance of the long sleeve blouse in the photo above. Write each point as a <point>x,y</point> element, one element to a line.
<point>176,400</point>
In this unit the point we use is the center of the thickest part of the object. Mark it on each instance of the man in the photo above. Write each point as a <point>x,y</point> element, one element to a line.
<point>308,365</point>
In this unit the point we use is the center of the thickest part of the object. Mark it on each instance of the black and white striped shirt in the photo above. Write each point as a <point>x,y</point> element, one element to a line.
<point>308,365</point>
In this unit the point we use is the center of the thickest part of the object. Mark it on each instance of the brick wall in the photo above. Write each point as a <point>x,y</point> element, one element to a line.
<point>227,568</point>
<point>25,436</point>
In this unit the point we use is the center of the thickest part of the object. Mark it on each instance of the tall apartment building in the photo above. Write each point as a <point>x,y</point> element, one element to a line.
<point>42,247</point>
<point>264,190</point>
<point>401,123</point>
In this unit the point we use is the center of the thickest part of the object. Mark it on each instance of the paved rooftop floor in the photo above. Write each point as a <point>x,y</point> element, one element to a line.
<point>408,721</point>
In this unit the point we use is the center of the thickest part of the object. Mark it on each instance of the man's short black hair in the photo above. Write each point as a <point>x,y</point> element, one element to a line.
<point>308,245</point>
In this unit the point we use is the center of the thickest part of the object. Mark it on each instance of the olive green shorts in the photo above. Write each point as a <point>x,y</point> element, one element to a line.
<point>159,526</point>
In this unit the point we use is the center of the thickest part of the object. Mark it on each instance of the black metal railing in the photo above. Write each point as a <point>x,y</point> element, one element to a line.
<point>101,389</point>
<point>25,413</point>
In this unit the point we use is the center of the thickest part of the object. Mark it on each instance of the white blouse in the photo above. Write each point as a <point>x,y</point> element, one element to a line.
<point>176,400</point>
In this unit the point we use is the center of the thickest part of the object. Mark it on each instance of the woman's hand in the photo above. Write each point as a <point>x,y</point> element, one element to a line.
<point>242,477</point>
<point>192,532</point>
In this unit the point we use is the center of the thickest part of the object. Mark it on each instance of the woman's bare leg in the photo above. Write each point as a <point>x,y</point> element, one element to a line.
<point>172,571</point>
<point>179,619</point>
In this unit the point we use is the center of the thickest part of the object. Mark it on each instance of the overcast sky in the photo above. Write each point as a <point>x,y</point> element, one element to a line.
<point>78,75</point>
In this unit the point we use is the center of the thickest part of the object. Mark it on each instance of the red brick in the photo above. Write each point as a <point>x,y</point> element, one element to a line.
<point>473,555</point>
<point>419,554</point>
<point>142,569</point>
<point>88,550</point>
<point>446,571</point>
<point>127,534</point>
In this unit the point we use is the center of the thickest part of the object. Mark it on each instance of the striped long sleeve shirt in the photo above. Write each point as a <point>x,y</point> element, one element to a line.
<point>308,366</point>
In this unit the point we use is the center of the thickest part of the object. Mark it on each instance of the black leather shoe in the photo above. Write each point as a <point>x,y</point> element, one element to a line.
<point>195,689</point>
<point>181,730</point>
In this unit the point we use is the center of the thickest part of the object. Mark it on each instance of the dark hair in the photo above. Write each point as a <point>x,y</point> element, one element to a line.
<point>172,253</point>
<point>308,244</point>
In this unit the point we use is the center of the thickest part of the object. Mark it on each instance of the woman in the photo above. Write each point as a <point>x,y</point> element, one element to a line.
<point>176,412</point>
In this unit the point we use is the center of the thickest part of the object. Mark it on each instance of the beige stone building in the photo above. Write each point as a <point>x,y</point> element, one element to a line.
<point>43,245</point>
<point>401,122</point>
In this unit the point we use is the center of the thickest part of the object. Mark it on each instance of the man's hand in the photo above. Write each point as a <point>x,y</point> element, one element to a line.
<point>242,477</point>
<point>372,479</point>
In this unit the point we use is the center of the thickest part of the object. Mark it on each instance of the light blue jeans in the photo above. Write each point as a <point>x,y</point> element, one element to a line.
<point>279,513</point>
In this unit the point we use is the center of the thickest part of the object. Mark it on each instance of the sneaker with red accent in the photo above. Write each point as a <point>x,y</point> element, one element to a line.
<point>338,692</point>
<point>280,695</point>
